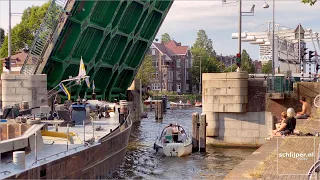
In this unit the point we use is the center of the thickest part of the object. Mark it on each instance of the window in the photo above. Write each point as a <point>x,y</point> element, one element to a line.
<point>171,75</point>
<point>179,87</point>
<point>153,52</point>
<point>178,75</point>
<point>156,86</point>
<point>169,86</point>
<point>187,75</point>
<point>178,63</point>
<point>155,62</point>
<point>157,76</point>
<point>187,63</point>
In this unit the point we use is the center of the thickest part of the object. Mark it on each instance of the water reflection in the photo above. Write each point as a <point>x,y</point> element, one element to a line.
<point>143,162</point>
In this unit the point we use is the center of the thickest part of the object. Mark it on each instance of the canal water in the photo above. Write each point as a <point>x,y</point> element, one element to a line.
<point>142,162</point>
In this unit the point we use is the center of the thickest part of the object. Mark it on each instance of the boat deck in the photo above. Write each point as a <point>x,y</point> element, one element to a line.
<point>52,148</point>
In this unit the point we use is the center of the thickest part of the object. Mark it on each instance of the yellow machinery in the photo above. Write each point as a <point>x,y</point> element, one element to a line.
<point>59,134</point>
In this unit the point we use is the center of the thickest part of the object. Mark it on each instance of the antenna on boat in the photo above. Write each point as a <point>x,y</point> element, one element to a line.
<point>35,145</point>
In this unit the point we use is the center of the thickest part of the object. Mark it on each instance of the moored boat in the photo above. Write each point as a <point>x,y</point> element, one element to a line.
<point>173,141</point>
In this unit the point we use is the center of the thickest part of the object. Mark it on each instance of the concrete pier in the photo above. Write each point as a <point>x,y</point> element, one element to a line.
<point>28,88</point>
<point>234,108</point>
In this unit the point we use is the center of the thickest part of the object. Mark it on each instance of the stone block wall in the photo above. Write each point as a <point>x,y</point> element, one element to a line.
<point>18,87</point>
<point>249,128</point>
<point>225,92</point>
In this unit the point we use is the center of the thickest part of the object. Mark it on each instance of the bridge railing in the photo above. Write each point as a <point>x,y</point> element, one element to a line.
<point>43,37</point>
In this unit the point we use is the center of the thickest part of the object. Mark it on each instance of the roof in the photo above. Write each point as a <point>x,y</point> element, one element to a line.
<point>176,48</point>
<point>171,48</point>
<point>19,58</point>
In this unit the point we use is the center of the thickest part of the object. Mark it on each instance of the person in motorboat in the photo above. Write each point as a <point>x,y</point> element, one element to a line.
<point>167,136</point>
<point>182,136</point>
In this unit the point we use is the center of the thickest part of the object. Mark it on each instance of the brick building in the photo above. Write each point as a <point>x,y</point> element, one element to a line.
<point>172,62</point>
<point>17,61</point>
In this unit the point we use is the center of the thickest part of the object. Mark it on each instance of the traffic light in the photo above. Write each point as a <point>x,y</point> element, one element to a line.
<point>238,60</point>
<point>303,52</point>
<point>7,63</point>
<point>311,54</point>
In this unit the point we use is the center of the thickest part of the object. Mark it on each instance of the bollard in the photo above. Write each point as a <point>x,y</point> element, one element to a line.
<point>195,132</point>
<point>164,104</point>
<point>158,110</point>
<point>202,133</point>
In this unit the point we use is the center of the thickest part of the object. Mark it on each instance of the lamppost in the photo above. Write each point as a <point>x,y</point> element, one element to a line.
<point>251,13</point>
<point>273,49</point>
<point>9,36</point>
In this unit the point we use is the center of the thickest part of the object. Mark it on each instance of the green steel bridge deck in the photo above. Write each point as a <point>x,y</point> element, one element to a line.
<point>112,38</point>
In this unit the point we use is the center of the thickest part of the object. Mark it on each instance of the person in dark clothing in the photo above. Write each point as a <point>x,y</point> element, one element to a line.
<point>288,125</point>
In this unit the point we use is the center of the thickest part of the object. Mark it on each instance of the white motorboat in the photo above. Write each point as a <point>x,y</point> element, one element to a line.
<point>174,141</point>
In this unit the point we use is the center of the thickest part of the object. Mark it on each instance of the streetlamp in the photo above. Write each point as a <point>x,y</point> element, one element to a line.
<point>9,36</point>
<point>250,13</point>
<point>267,6</point>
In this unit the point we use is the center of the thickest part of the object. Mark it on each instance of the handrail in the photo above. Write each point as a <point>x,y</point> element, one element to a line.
<point>63,152</point>
<point>43,37</point>
<point>75,148</point>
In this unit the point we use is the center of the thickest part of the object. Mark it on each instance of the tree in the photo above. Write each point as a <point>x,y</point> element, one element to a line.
<point>246,62</point>
<point>311,2</point>
<point>1,36</point>
<point>146,71</point>
<point>23,33</point>
<point>203,42</point>
<point>202,50</point>
<point>165,38</point>
<point>267,68</point>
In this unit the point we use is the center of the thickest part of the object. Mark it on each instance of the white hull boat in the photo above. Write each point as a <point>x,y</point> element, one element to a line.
<point>178,144</point>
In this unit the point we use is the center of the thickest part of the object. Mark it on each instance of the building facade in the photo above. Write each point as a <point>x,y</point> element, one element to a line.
<point>172,63</point>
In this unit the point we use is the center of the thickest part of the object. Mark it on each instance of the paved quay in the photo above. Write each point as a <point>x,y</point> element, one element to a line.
<point>264,163</point>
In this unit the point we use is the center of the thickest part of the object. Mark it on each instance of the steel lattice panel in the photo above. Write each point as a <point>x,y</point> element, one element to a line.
<point>112,37</point>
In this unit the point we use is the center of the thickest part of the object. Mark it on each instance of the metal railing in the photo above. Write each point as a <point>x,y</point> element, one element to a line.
<point>57,154</point>
<point>43,37</point>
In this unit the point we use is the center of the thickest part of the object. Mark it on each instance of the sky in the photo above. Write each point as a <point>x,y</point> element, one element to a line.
<point>187,17</point>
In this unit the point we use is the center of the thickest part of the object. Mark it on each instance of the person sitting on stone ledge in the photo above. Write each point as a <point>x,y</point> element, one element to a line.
<point>287,126</point>
<point>306,109</point>
<point>283,117</point>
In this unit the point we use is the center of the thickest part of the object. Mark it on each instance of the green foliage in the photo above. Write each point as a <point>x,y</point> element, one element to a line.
<point>203,42</point>
<point>246,62</point>
<point>311,2</point>
<point>146,70</point>
<point>202,50</point>
<point>1,36</point>
<point>267,68</point>
<point>165,38</point>
<point>23,33</point>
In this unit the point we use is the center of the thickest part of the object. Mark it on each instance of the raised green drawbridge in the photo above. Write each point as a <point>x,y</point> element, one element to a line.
<point>112,37</point>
